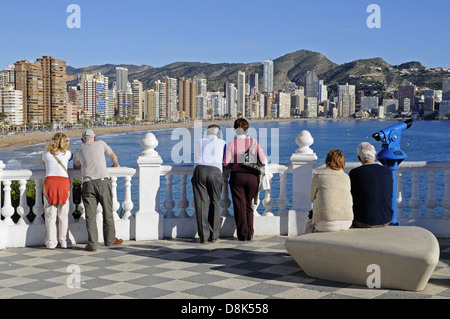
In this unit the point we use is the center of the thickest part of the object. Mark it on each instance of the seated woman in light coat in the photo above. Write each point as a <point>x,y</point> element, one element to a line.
<point>331,197</point>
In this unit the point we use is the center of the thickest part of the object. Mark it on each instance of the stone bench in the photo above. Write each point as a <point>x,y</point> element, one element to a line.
<point>406,256</point>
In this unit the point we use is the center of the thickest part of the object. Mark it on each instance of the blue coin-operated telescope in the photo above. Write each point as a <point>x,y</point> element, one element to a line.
<point>391,156</point>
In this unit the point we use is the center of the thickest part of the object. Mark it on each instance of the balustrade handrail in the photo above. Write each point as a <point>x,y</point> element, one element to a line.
<point>189,169</point>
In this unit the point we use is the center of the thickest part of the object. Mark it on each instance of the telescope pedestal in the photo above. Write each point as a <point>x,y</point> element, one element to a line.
<point>393,166</point>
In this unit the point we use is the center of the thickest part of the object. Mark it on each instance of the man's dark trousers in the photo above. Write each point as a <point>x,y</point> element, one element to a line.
<point>93,193</point>
<point>207,183</point>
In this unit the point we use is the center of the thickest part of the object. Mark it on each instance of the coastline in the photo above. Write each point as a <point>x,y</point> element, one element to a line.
<point>25,139</point>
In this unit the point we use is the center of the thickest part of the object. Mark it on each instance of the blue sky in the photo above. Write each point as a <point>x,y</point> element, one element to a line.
<point>159,32</point>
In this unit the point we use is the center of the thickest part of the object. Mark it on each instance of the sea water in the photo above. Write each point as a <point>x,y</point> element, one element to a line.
<point>424,141</point>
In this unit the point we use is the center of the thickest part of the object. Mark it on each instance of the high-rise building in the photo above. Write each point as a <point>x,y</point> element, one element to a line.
<point>230,97</point>
<point>241,94</point>
<point>253,81</point>
<point>11,104</point>
<point>406,97</point>
<point>201,104</point>
<point>171,98</point>
<point>311,85</point>
<point>160,96</point>
<point>29,80</point>
<point>7,76</point>
<point>284,105</point>
<point>121,79</point>
<point>137,91</point>
<point>268,76</point>
<point>446,89</point>
<point>390,105</point>
<point>444,108</point>
<point>95,101</point>
<point>346,100</point>
<point>150,105</point>
<point>323,93</point>
<point>429,101</point>
<point>187,98</point>
<point>289,87</point>
<point>310,107</point>
<point>91,92</point>
<point>55,89</point>
<point>268,101</point>
<point>297,104</point>
<point>369,103</point>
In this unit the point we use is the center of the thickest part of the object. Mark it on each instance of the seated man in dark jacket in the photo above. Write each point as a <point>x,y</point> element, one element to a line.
<point>371,188</point>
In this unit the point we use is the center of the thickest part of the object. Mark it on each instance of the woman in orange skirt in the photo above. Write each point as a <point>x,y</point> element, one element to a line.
<point>56,191</point>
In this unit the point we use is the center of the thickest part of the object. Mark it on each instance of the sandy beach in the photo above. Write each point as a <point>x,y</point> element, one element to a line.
<point>24,139</point>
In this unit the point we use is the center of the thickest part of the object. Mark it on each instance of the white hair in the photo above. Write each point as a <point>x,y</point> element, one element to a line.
<point>366,152</point>
<point>213,130</point>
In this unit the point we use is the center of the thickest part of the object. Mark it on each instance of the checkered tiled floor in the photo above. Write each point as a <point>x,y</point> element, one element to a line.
<point>183,269</point>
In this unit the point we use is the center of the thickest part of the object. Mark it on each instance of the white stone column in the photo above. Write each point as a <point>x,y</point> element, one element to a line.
<point>302,161</point>
<point>149,221</point>
<point>4,230</point>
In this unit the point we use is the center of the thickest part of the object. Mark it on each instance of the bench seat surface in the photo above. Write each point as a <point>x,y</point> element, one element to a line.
<point>407,256</point>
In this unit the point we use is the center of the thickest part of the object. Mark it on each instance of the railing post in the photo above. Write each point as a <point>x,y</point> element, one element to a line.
<point>4,229</point>
<point>2,166</point>
<point>302,162</point>
<point>446,201</point>
<point>149,221</point>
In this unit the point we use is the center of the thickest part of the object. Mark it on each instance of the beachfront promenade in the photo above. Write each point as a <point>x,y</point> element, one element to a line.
<point>159,231</point>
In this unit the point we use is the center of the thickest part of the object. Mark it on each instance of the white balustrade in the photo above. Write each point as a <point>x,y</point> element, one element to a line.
<point>419,201</point>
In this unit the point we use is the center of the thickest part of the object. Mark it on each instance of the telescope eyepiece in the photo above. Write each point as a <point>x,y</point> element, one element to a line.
<point>408,123</point>
<point>377,137</point>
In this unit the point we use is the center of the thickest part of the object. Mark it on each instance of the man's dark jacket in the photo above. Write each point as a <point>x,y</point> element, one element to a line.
<point>371,188</point>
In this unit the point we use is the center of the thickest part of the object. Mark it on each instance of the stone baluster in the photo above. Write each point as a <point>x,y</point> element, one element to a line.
<point>127,204</point>
<point>255,205</point>
<point>23,209</point>
<point>302,167</point>
<point>116,204</point>
<point>268,203</point>
<point>401,203</point>
<point>99,214</point>
<point>82,210</point>
<point>169,203</point>
<point>446,201</point>
<point>148,219</point>
<point>183,203</point>
<point>283,200</point>
<point>7,209</point>
<point>2,166</point>
<point>72,206</point>
<point>4,232</point>
<point>414,201</point>
<point>38,208</point>
<point>431,201</point>
<point>225,202</point>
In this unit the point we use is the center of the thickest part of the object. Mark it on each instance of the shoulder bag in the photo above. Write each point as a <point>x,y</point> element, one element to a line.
<point>252,163</point>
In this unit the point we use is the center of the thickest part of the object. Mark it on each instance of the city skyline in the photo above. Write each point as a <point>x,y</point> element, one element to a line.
<point>158,34</point>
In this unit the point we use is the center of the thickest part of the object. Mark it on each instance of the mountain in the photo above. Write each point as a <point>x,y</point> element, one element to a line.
<point>364,73</point>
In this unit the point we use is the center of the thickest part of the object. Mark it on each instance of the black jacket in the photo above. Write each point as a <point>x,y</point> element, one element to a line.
<point>371,188</point>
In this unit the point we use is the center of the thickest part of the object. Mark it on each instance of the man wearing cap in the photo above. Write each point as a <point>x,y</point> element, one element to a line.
<point>96,188</point>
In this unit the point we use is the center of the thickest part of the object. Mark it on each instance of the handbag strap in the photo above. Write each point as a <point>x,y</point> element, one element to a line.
<point>59,162</point>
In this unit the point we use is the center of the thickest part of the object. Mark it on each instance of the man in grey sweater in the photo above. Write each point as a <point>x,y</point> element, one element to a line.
<point>96,188</point>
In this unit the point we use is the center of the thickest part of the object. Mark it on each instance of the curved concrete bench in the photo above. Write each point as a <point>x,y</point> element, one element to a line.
<point>406,256</point>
